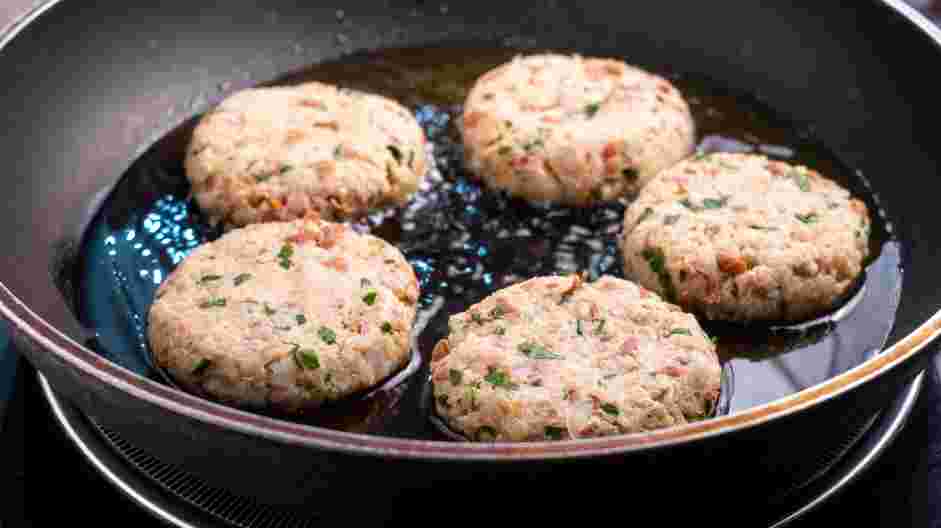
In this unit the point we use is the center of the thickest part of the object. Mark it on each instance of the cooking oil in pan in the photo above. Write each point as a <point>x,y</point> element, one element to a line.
<point>466,242</point>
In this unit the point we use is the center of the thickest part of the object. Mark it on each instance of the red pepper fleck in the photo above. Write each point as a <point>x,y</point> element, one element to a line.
<point>610,151</point>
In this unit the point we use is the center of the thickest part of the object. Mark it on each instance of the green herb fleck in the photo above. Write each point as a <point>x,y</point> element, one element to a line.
<point>578,327</point>
<point>680,331</point>
<point>500,330</point>
<point>688,204</point>
<point>240,278</point>
<point>670,219</point>
<point>455,376</point>
<point>486,433</point>
<point>301,319</point>
<point>554,433</point>
<point>338,152</point>
<point>215,302</point>
<point>269,310</point>
<point>763,228</point>
<point>209,278</point>
<point>443,401</point>
<point>800,178</point>
<point>534,144</point>
<point>498,378</point>
<point>370,297</point>
<point>536,351</point>
<point>476,317</point>
<point>630,173</point>
<point>263,177</point>
<point>386,327</point>
<point>599,326</point>
<point>591,109</point>
<point>648,212</point>
<point>701,156</point>
<point>396,153</point>
<point>714,339</point>
<point>284,256</point>
<point>808,218</point>
<point>715,203</point>
<point>201,366</point>
<point>305,358</point>
<point>497,312</point>
<point>655,258</point>
<point>327,335</point>
<point>505,150</point>
<point>285,168</point>
<point>610,409</point>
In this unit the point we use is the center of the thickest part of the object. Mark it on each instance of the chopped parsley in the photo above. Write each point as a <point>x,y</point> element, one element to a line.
<point>240,278</point>
<point>701,156</point>
<point>305,358</point>
<point>630,173</point>
<point>498,378</point>
<point>338,152</point>
<point>534,144</point>
<point>455,376</point>
<point>591,109</point>
<point>599,326</point>
<point>536,351</point>
<point>648,212</point>
<point>269,310</point>
<point>201,366</point>
<point>505,150</point>
<point>485,433</point>
<point>301,319</point>
<point>714,339</point>
<point>476,318</point>
<point>578,327</point>
<point>763,228</point>
<point>688,204</point>
<point>209,278</point>
<point>284,256</point>
<point>554,433</point>
<point>801,180</point>
<point>215,302</point>
<point>386,327</point>
<point>286,168</point>
<point>500,330</point>
<point>680,331</point>
<point>497,312</point>
<point>610,408</point>
<point>327,335</point>
<point>370,297</point>
<point>657,261</point>
<point>808,218</point>
<point>715,203</point>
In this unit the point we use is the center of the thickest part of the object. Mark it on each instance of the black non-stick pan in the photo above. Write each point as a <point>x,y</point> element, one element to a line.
<point>98,100</point>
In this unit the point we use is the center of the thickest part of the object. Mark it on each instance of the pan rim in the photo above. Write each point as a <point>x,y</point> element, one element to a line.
<point>50,339</point>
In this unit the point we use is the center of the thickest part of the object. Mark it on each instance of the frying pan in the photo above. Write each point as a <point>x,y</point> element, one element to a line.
<point>88,87</point>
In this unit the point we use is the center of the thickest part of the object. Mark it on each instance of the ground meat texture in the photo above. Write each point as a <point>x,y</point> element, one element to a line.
<point>556,358</point>
<point>741,237</point>
<point>573,130</point>
<point>285,316</point>
<point>279,153</point>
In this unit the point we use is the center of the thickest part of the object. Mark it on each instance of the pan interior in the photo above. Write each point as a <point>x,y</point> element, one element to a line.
<point>465,241</point>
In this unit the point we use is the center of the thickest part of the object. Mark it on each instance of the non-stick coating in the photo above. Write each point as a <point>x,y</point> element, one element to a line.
<point>88,86</point>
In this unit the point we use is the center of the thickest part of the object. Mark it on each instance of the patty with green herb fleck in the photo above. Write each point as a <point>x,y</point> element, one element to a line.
<point>555,358</point>
<point>573,130</point>
<point>280,153</point>
<point>741,237</point>
<point>285,315</point>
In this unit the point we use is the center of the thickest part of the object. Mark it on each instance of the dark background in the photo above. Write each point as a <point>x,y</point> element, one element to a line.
<point>45,481</point>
